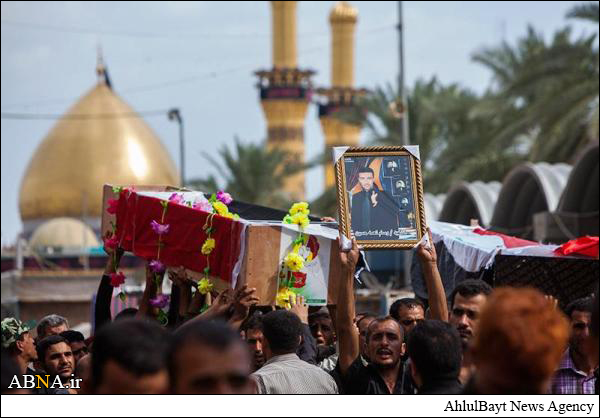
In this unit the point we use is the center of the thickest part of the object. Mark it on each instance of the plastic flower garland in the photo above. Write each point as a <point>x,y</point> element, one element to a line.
<point>294,261</point>
<point>219,206</point>
<point>111,241</point>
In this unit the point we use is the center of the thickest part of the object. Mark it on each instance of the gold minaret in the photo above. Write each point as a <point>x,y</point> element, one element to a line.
<point>341,94</point>
<point>285,92</point>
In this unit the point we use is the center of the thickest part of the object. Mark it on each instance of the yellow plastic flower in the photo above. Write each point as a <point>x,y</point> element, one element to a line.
<point>205,286</point>
<point>294,262</point>
<point>301,207</point>
<point>301,220</point>
<point>283,297</point>
<point>221,208</point>
<point>208,246</point>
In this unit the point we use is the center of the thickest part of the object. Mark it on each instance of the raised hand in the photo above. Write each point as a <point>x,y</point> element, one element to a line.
<point>328,219</point>
<point>374,198</point>
<point>349,259</point>
<point>299,307</point>
<point>243,299</point>
<point>425,252</point>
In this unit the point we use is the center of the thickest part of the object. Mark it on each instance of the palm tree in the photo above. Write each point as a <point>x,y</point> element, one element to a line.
<point>547,92</point>
<point>252,173</point>
<point>453,138</point>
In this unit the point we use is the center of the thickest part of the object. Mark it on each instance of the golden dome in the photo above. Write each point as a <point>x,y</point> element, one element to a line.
<point>343,12</point>
<point>81,153</point>
<point>64,233</point>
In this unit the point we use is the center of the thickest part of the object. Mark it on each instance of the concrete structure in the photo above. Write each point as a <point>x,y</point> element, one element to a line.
<point>285,92</point>
<point>528,189</point>
<point>101,139</point>
<point>433,206</point>
<point>577,212</point>
<point>340,96</point>
<point>468,201</point>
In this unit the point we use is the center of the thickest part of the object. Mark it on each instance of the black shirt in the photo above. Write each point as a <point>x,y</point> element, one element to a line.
<point>365,380</point>
<point>442,386</point>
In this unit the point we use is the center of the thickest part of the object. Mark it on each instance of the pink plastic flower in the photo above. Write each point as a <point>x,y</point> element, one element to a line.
<point>113,204</point>
<point>111,242</point>
<point>156,266</point>
<point>176,198</point>
<point>224,197</point>
<point>159,228</point>
<point>203,205</point>
<point>160,301</point>
<point>117,279</point>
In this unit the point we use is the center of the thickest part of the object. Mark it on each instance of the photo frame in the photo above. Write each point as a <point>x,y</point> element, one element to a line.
<point>380,196</point>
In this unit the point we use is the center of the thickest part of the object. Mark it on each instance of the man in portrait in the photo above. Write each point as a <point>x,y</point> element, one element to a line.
<point>372,209</point>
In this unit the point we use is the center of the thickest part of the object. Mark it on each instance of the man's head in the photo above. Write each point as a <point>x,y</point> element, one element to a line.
<point>126,313</point>
<point>321,327</point>
<point>579,313</point>
<point>593,339</point>
<point>56,357</point>
<point>51,325</point>
<point>467,301</point>
<point>519,343</point>
<point>254,338</point>
<point>385,342</point>
<point>130,357</point>
<point>10,369</point>
<point>17,340</point>
<point>282,331</point>
<point>435,351</point>
<point>209,358</point>
<point>83,370</point>
<point>408,312</point>
<point>77,342</point>
<point>363,325</point>
<point>366,178</point>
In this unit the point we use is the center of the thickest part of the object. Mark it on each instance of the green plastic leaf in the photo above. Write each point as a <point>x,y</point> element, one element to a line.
<point>207,270</point>
<point>122,296</point>
<point>117,189</point>
<point>213,198</point>
<point>204,308</point>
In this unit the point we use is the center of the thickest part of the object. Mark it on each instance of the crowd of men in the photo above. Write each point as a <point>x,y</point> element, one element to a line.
<point>478,340</point>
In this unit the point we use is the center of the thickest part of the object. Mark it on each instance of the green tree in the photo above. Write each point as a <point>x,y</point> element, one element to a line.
<point>546,91</point>
<point>251,173</point>
<point>453,137</point>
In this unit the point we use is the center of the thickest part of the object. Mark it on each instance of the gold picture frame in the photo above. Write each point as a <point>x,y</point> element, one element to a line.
<point>399,222</point>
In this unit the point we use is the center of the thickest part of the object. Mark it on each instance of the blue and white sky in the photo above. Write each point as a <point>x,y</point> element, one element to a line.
<point>200,57</point>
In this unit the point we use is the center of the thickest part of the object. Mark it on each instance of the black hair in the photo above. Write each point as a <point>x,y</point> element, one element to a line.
<point>410,303</point>
<point>384,319</point>
<point>139,346</point>
<point>366,170</point>
<point>470,288</point>
<point>254,321</point>
<point>214,334</point>
<point>43,345</point>
<point>366,315</point>
<point>282,329</point>
<point>320,314</point>
<point>9,371</point>
<point>72,336</point>
<point>435,349</point>
<point>582,305</point>
<point>594,322</point>
<point>126,313</point>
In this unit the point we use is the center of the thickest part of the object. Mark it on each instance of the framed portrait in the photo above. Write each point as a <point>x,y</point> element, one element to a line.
<point>380,197</point>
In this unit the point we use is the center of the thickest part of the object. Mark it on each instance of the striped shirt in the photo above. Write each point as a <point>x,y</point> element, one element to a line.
<point>288,375</point>
<point>568,380</point>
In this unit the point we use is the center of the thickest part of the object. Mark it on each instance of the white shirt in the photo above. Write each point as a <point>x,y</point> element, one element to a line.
<point>288,375</point>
